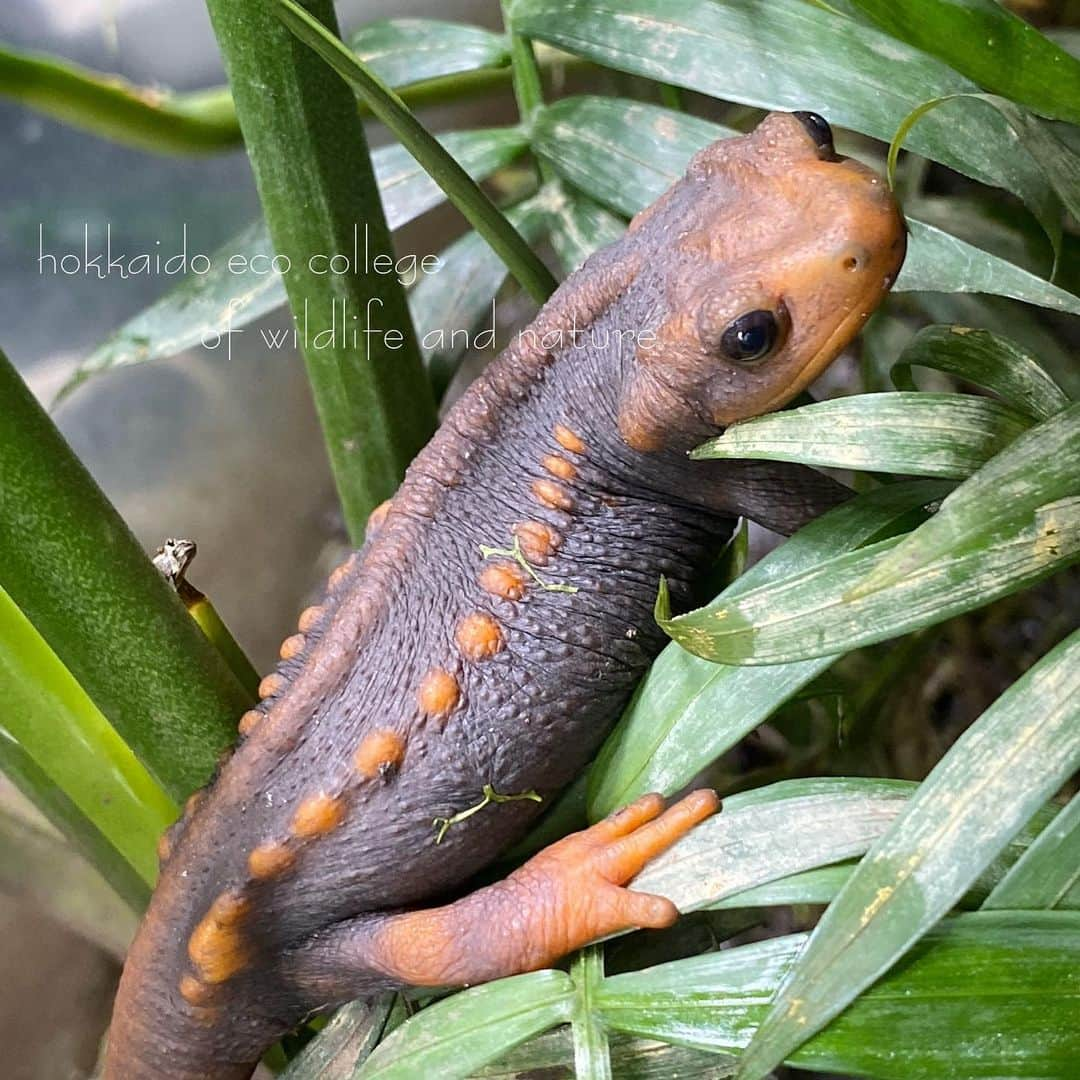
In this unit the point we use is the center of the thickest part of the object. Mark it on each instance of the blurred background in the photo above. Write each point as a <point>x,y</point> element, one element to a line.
<point>175,443</point>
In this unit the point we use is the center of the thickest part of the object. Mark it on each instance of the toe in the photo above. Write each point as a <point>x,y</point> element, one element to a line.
<point>629,818</point>
<point>625,857</point>
<point>647,911</point>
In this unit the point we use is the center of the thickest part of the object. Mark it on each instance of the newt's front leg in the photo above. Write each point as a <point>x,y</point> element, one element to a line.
<point>568,895</point>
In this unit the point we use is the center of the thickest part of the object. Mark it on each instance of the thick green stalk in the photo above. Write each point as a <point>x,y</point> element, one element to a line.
<point>528,89</point>
<point>319,198</point>
<point>74,569</point>
<point>460,188</point>
<point>173,123</point>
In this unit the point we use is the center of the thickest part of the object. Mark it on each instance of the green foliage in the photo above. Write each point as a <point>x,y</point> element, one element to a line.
<point>118,705</point>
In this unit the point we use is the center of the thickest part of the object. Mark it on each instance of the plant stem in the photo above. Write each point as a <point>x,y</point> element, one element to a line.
<point>460,188</point>
<point>528,89</point>
<point>163,122</point>
<point>319,198</point>
<point>73,568</point>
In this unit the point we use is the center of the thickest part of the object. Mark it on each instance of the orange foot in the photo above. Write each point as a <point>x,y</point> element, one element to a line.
<point>566,896</point>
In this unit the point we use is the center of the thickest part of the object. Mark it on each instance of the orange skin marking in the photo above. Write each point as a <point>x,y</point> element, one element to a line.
<point>552,495</point>
<point>376,518</point>
<point>216,946</point>
<point>479,636</point>
<point>164,847</point>
<point>249,721</point>
<point>270,860</point>
<point>566,896</point>
<point>504,579</point>
<point>271,685</point>
<point>292,646</point>
<point>438,692</point>
<point>338,577</point>
<point>559,466</point>
<point>318,815</point>
<point>309,619</point>
<point>568,440</point>
<point>378,753</point>
<point>539,541</point>
<point>193,801</point>
<point>195,991</point>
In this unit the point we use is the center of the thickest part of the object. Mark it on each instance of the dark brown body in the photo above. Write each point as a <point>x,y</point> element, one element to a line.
<point>432,671</point>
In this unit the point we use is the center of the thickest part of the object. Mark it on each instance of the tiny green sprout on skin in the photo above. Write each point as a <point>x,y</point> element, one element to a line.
<point>518,556</point>
<point>491,796</point>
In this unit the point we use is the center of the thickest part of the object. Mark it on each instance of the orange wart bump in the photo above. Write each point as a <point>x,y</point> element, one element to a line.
<point>318,815</point>
<point>338,577</point>
<point>568,440</point>
<point>249,721</point>
<point>217,946</point>
<point>518,556</point>
<point>538,540</point>
<point>270,859</point>
<point>376,519</point>
<point>273,684</point>
<point>438,692</point>
<point>552,495</point>
<point>292,646</point>
<point>558,466</point>
<point>504,580</point>
<point>194,991</point>
<point>379,754</point>
<point>310,618</point>
<point>479,636</point>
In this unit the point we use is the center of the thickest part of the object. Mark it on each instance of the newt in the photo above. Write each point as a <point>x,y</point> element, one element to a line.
<point>466,662</point>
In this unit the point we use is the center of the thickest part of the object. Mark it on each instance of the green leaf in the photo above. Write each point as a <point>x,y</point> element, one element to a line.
<point>625,154</point>
<point>773,832</point>
<point>403,51</point>
<point>346,1042</point>
<point>689,711</point>
<point>947,435</point>
<point>1039,468</point>
<point>983,994</point>
<point>786,54</point>
<point>579,227</point>
<point>453,1037</point>
<point>988,43</point>
<point>242,284</point>
<point>460,189</point>
<point>1059,164</point>
<point>51,718</point>
<point>1048,874</point>
<point>938,262</point>
<point>592,1058</point>
<point>454,308</point>
<point>817,613</point>
<point>551,1056</point>
<point>986,359</point>
<point>990,782</point>
<point>74,569</point>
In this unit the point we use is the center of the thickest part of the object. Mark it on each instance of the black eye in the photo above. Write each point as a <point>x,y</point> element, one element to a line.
<point>750,336</point>
<point>818,129</point>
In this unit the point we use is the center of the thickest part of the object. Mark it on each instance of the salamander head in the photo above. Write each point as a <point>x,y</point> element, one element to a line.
<point>776,250</point>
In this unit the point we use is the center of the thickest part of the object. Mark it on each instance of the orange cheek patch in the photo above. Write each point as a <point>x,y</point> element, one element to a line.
<point>478,636</point>
<point>380,752</point>
<point>318,815</point>
<point>552,495</point>
<point>504,580</point>
<point>568,440</point>
<point>309,619</point>
<point>559,466</point>
<point>217,946</point>
<point>292,646</point>
<point>270,860</point>
<point>438,692</point>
